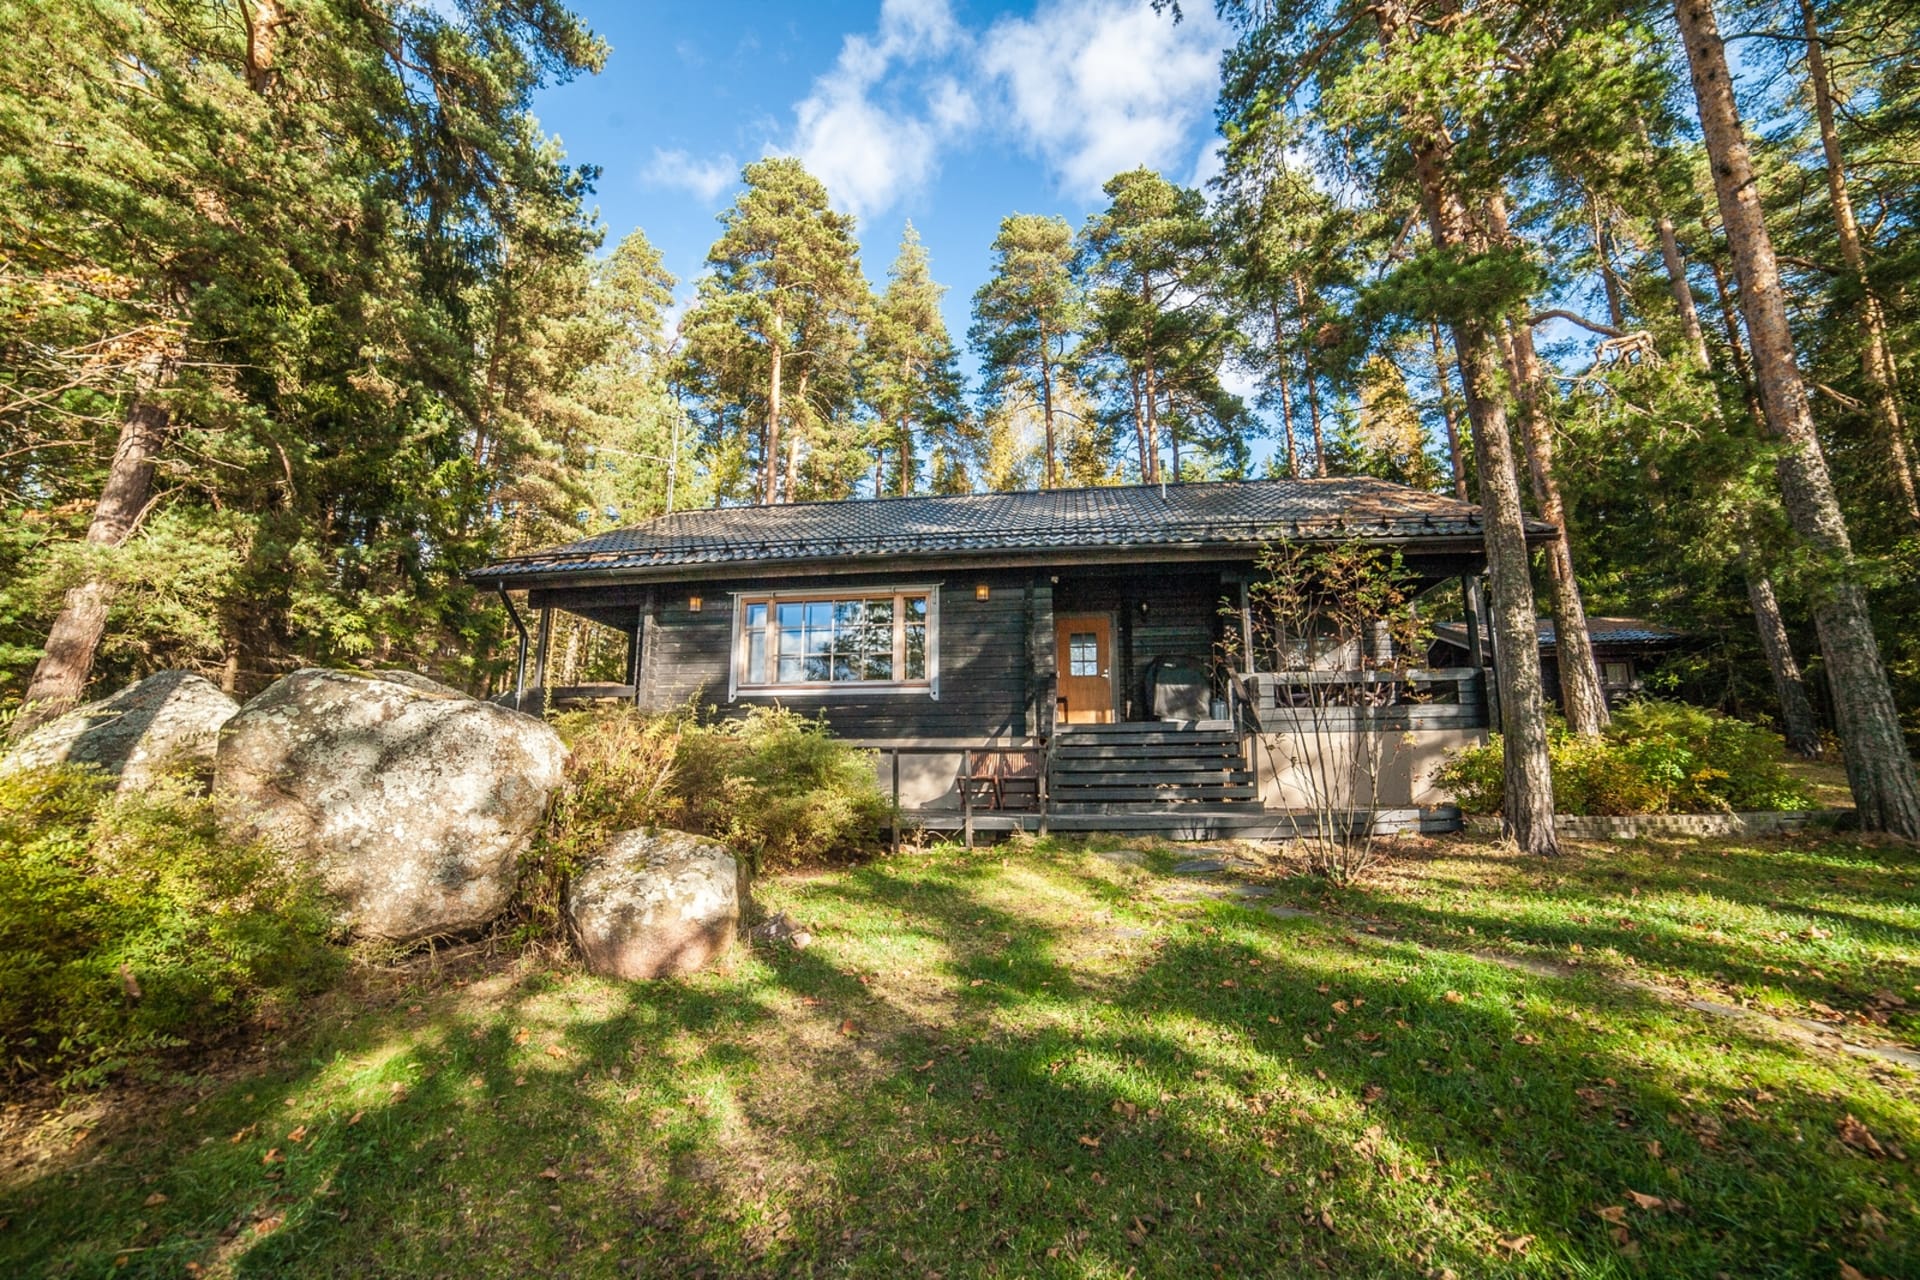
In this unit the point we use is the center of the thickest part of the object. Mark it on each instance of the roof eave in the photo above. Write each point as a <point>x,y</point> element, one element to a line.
<point>505,575</point>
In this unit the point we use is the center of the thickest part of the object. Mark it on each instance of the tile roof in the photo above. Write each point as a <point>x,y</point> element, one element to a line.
<point>1233,513</point>
<point>1600,630</point>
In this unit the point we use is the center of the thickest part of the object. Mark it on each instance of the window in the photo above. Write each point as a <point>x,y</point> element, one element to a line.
<point>1616,675</point>
<point>787,641</point>
<point>1083,654</point>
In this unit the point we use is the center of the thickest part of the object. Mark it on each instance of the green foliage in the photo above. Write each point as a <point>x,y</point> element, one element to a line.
<point>782,310</point>
<point>337,250</point>
<point>1656,757</point>
<point>780,789</point>
<point>777,788</point>
<point>130,924</point>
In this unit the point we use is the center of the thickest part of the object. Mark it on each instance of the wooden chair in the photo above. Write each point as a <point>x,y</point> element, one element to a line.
<point>1020,780</point>
<point>982,780</point>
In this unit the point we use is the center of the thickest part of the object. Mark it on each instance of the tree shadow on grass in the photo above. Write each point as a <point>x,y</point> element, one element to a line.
<point>1660,929</point>
<point>1173,1103</point>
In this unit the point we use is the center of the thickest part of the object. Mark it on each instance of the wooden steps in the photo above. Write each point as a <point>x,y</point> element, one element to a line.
<point>1166,772</point>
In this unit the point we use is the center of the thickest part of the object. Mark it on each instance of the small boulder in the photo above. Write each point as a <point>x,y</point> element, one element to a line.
<point>654,904</point>
<point>411,800</point>
<point>169,720</point>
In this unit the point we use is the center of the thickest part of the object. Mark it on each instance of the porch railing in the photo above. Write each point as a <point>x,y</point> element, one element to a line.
<point>1417,698</point>
<point>970,777</point>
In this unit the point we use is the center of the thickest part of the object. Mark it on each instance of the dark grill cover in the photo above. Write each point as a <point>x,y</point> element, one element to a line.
<point>1178,690</point>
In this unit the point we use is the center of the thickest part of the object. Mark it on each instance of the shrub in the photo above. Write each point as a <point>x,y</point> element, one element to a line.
<point>1656,757</point>
<point>779,789</point>
<point>130,924</point>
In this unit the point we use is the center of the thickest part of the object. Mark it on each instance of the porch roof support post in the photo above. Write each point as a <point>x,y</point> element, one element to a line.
<point>1246,628</point>
<point>1042,659</point>
<point>633,652</point>
<point>966,797</point>
<point>520,652</point>
<point>540,652</point>
<point>1479,632</point>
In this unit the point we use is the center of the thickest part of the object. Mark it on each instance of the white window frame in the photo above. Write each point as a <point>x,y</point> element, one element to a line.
<point>738,685</point>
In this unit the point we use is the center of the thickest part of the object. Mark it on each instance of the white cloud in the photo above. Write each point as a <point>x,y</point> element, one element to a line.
<point>703,178</point>
<point>1093,87</point>
<point>861,130</point>
<point>1101,86</point>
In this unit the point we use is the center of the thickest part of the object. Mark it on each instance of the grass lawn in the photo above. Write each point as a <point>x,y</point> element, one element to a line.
<point>1046,1062</point>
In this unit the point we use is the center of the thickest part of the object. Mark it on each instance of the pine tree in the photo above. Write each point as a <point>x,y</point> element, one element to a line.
<point>911,383</point>
<point>1026,321</point>
<point>785,274</point>
<point>1879,770</point>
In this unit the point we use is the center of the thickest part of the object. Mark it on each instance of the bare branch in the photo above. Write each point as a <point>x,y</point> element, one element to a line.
<point>1604,330</point>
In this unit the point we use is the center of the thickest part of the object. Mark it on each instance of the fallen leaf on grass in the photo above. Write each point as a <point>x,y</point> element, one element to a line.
<point>156,1199</point>
<point>550,1173</point>
<point>1859,1137</point>
<point>273,1156</point>
<point>1514,1246</point>
<point>1454,997</point>
<point>299,1135</point>
<point>1646,1201</point>
<point>1851,1273</point>
<point>1526,1037</point>
<point>356,1118</point>
<point>522,1036</point>
<point>555,1051</point>
<point>1614,1213</point>
<point>847,1028</point>
<point>1088,1140</point>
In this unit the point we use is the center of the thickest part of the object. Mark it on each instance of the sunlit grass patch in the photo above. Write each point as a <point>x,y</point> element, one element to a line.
<point>1040,1061</point>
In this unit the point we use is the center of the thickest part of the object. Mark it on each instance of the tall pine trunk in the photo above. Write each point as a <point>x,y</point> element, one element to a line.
<point>1682,294</point>
<point>1797,722</point>
<point>797,436</point>
<point>1879,770</point>
<point>1286,393</point>
<point>1051,471</point>
<point>1456,463</point>
<point>1527,808</point>
<point>1876,361</point>
<point>1582,699</point>
<point>1313,390</point>
<point>60,677</point>
<point>770,491</point>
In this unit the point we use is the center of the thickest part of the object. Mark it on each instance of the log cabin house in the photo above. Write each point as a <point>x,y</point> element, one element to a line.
<point>1043,660</point>
<point>1625,652</point>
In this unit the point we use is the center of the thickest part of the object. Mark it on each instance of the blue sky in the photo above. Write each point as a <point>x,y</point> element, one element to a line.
<point>949,113</point>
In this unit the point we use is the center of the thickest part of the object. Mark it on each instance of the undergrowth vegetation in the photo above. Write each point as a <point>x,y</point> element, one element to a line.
<point>1656,757</point>
<point>130,924</point>
<point>779,789</point>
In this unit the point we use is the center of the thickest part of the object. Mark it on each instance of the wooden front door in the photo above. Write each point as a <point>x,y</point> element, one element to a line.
<point>1084,650</point>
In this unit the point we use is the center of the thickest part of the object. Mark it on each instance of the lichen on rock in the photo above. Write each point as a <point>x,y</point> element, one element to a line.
<point>411,800</point>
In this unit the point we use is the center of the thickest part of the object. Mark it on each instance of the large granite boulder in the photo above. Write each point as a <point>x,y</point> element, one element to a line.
<point>655,903</point>
<point>170,720</point>
<point>413,801</point>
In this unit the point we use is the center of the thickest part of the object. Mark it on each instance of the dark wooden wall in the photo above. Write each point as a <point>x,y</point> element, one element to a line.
<point>988,683</point>
<point>996,656</point>
<point>1159,611</point>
